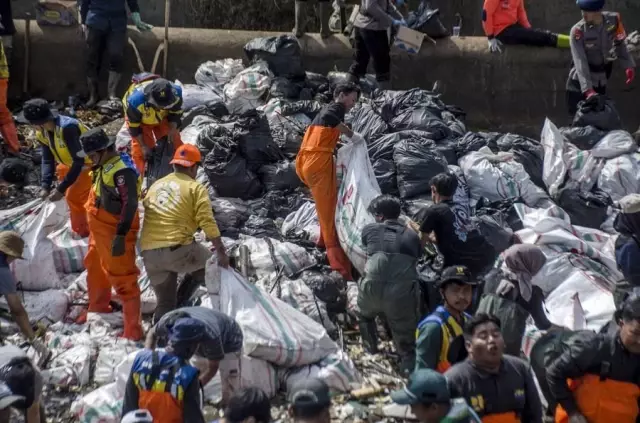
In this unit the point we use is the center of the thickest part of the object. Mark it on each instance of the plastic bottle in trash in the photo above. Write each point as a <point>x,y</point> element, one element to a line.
<point>72,106</point>
<point>457,26</point>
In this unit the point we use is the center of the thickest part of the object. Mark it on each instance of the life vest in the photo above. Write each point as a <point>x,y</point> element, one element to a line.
<point>602,400</point>
<point>104,186</point>
<point>59,147</point>
<point>451,333</point>
<point>135,98</point>
<point>162,380</point>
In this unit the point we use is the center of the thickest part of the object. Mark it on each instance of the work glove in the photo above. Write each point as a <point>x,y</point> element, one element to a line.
<point>117,246</point>
<point>399,22</point>
<point>142,26</point>
<point>495,45</point>
<point>631,75</point>
<point>590,93</point>
<point>356,138</point>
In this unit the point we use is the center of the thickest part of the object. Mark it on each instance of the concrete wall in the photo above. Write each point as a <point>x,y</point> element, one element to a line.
<point>556,15</point>
<point>514,90</point>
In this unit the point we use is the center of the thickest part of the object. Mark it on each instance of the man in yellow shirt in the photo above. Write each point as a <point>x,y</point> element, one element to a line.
<point>174,208</point>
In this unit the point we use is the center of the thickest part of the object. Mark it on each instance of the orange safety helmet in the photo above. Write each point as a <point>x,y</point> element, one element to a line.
<point>187,155</point>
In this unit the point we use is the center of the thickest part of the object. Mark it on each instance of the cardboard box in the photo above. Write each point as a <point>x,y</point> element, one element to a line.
<point>408,40</point>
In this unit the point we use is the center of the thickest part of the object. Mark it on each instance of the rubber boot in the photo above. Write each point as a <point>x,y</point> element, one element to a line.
<point>132,320</point>
<point>93,92</point>
<point>369,334</point>
<point>301,17</point>
<point>325,10</point>
<point>114,79</point>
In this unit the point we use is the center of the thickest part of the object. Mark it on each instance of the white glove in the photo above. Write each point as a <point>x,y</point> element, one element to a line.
<point>494,45</point>
<point>357,138</point>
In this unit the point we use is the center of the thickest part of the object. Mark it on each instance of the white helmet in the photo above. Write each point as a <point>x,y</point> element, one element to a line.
<point>138,416</point>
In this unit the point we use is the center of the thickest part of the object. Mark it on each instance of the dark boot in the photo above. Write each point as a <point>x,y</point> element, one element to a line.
<point>93,92</point>
<point>369,333</point>
<point>301,18</point>
<point>325,10</point>
<point>112,87</point>
<point>384,85</point>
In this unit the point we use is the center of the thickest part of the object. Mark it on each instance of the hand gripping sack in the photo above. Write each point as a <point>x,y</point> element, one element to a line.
<point>358,186</point>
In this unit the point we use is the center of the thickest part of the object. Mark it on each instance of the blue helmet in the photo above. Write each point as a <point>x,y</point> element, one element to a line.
<point>186,330</point>
<point>590,5</point>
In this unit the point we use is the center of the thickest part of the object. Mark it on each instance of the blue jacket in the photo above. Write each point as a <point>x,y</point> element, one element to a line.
<point>106,15</point>
<point>628,259</point>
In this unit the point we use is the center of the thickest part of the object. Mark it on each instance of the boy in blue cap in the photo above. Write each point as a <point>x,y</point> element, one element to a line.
<point>428,396</point>
<point>164,382</point>
<point>596,42</point>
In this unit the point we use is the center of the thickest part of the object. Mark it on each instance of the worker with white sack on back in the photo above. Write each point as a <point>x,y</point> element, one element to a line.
<point>11,248</point>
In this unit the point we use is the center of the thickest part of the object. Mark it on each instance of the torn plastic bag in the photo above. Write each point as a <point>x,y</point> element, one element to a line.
<point>366,122</point>
<point>279,176</point>
<point>197,95</point>
<point>232,178</point>
<point>421,119</point>
<point>358,186</point>
<point>282,53</point>
<point>416,163</point>
<point>614,144</point>
<point>587,209</point>
<point>269,256</point>
<point>585,137</point>
<point>214,74</point>
<point>245,92</point>
<point>328,286</point>
<point>599,111</point>
<point>620,176</point>
<point>272,330</point>
<point>337,370</point>
<point>285,88</point>
<point>256,142</point>
<point>260,227</point>
<point>35,221</point>
<point>427,20</point>
<point>229,212</point>
<point>385,171</point>
<point>302,223</point>
<point>299,296</point>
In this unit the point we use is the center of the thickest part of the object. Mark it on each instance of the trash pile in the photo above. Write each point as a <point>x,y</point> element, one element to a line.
<point>248,122</point>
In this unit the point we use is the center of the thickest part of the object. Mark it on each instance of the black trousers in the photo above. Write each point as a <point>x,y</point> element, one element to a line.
<point>101,41</point>
<point>371,44</point>
<point>574,95</point>
<point>517,34</point>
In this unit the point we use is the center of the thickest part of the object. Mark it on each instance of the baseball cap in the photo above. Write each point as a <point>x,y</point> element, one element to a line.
<point>311,392</point>
<point>186,329</point>
<point>460,274</point>
<point>36,112</point>
<point>425,386</point>
<point>7,397</point>
<point>187,155</point>
<point>162,93</point>
<point>630,203</point>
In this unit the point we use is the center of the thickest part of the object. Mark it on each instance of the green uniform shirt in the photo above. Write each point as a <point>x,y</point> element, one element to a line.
<point>428,345</point>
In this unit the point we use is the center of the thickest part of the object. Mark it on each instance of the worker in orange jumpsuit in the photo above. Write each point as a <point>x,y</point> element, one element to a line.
<point>505,21</point>
<point>153,112</point>
<point>112,211</point>
<point>316,168</point>
<point>595,379</point>
<point>59,137</point>
<point>7,127</point>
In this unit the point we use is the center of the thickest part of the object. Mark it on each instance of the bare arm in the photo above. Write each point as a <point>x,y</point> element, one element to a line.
<point>20,315</point>
<point>345,130</point>
<point>213,366</point>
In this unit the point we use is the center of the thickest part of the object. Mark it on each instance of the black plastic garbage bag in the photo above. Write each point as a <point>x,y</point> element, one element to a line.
<point>585,137</point>
<point>14,171</point>
<point>232,178</point>
<point>457,127</point>
<point>329,287</point>
<point>279,176</point>
<point>447,147</point>
<point>421,119</point>
<point>282,54</point>
<point>416,163</point>
<point>368,83</point>
<point>230,213</point>
<point>385,171</point>
<point>308,107</point>
<point>261,227</point>
<point>526,151</point>
<point>213,109</point>
<point>598,111</point>
<point>588,209</point>
<point>158,165</point>
<point>382,148</point>
<point>315,81</point>
<point>500,237</point>
<point>392,103</point>
<point>427,20</point>
<point>502,212</point>
<point>471,141</point>
<point>218,138</point>
<point>285,88</point>
<point>256,143</point>
<point>415,206</point>
<point>277,204</point>
<point>366,121</point>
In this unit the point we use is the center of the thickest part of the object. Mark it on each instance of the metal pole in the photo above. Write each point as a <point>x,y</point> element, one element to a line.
<point>167,16</point>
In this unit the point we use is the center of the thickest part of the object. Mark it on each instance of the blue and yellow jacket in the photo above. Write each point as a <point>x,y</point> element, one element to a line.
<point>139,111</point>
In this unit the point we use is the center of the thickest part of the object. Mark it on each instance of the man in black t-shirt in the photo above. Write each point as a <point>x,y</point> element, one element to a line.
<point>448,226</point>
